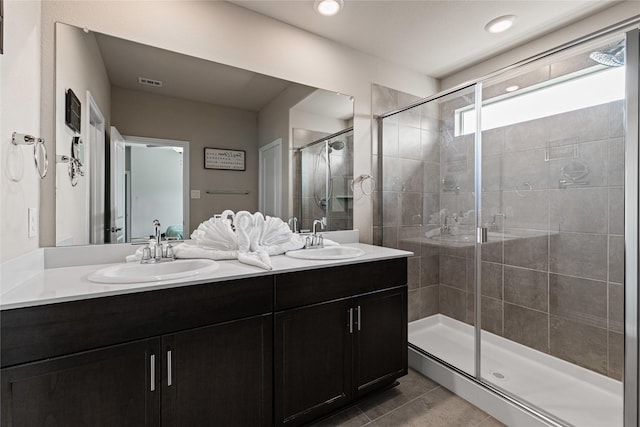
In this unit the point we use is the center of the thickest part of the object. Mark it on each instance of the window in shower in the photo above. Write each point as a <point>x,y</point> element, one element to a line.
<point>596,85</point>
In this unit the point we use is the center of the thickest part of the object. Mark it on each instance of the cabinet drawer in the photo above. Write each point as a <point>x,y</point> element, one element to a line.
<point>301,288</point>
<point>35,333</point>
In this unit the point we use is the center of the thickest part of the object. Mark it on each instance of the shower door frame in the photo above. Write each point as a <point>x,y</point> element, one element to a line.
<point>631,380</point>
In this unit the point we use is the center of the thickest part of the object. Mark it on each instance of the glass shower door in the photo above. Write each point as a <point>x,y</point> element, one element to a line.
<point>552,271</point>
<point>428,205</point>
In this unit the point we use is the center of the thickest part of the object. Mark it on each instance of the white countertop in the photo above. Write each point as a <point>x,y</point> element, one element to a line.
<point>54,285</point>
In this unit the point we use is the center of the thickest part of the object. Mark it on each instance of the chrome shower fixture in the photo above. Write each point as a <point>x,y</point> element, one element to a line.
<point>613,57</point>
<point>336,145</point>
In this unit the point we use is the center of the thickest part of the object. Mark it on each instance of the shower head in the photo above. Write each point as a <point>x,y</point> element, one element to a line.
<point>613,57</point>
<point>336,145</point>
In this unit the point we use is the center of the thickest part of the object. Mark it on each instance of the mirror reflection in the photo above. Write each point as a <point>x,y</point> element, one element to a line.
<point>147,115</point>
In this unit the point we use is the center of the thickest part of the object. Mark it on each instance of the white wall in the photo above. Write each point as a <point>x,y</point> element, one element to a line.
<point>20,112</point>
<point>81,69</point>
<point>229,34</point>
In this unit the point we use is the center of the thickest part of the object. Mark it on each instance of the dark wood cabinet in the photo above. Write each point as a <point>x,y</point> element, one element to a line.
<point>270,350</point>
<point>381,339</point>
<point>328,354</point>
<point>112,387</point>
<point>218,375</point>
<point>313,353</point>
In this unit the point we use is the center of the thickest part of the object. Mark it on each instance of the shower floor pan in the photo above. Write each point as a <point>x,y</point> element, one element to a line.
<point>573,394</point>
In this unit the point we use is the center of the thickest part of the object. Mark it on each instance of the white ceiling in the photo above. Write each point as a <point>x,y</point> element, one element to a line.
<point>435,38</point>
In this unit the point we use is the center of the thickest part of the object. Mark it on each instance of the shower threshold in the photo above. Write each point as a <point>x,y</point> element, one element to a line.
<point>576,395</point>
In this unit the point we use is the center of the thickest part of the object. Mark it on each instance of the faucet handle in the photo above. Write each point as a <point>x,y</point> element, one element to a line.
<point>146,254</point>
<point>169,253</point>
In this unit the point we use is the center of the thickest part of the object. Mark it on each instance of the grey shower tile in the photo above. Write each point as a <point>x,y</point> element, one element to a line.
<point>616,355</point>
<point>390,139</point>
<point>429,300</point>
<point>577,254</point>
<point>493,142</point>
<point>581,210</point>
<point>431,209</point>
<point>616,210</point>
<point>492,172</point>
<point>578,343</point>
<point>579,300</point>
<point>453,272</point>
<point>492,315</point>
<point>409,143</point>
<point>390,208</point>
<point>411,175</point>
<point>435,408</point>
<point>413,305</point>
<point>616,307</point>
<point>527,327</point>
<point>527,209</point>
<point>492,280</point>
<point>413,272</point>
<point>527,288</point>
<point>616,162</point>
<point>411,386</point>
<point>592,155</point>
<point>411,209</point>
<point>390,237</point>
<point>430,268</point>
<point>527,252</point>
<point>492,251</point>
<point>383,99</point>
<point>616,259</point>
<point>431,177</point>
<point>616,119</point>
<point>430,145</point>
<point>525,136</point>
<point>409,239</point>
<point>525,169</point>
<point>452,302</point>
<point>392,177</point>
<point>410,117</point>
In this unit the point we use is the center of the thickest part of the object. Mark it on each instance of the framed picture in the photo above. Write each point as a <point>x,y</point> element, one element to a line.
<point>222,158</point>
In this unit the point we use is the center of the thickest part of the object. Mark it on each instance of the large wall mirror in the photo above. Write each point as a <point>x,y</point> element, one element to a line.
<point>177,138</point>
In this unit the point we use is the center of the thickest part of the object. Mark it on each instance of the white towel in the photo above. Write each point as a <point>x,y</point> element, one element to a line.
<point>217,234</point>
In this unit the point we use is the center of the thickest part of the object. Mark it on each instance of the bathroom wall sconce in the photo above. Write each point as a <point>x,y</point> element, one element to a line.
<point>75,165</point>
<point>39,151</point>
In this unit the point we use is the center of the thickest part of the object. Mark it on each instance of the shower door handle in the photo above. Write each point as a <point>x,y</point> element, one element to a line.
<point>483,235</point>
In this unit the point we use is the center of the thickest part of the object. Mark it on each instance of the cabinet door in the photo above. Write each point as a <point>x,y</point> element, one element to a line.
<point>219,375</point>
<point>112,387</point>
<point>313,350</point>
<point>381,339</point>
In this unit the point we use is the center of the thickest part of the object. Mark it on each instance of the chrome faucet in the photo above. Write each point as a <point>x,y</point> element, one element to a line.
<point>315,240</point>
<point>445,228</point>
<point>293,224</point>
<point>160,254</point>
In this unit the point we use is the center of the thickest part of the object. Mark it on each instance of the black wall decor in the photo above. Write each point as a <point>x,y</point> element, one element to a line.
<point>72,111</point>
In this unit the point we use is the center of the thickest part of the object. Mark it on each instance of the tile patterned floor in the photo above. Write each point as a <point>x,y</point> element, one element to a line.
<point>415,402</point>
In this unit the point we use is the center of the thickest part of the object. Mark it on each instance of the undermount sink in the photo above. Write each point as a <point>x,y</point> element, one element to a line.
<point>328,252</point>
<point>136,273</point>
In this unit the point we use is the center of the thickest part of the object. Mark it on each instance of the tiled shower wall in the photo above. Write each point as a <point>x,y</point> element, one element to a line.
<point>410,186</point>
<point>558,290</point>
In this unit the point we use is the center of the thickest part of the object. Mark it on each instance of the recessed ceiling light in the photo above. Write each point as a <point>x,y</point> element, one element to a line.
<point>512,88</point>
<point>328,7</point>
<point>500,24</point>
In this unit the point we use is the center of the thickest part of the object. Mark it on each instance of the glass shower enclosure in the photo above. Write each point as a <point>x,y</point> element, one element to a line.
<point>511,192</point>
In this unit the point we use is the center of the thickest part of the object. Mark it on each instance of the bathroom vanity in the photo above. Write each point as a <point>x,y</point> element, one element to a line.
<point>244,347</point>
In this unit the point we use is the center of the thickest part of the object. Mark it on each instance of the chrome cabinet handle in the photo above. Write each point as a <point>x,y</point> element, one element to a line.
<point>359,321</point>
<point>351,320</point>
<point>169,368</point>
<point>152,363</point>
